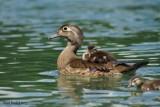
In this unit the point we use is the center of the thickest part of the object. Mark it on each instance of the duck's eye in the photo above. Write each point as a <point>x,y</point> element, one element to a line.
<point>65,28</point>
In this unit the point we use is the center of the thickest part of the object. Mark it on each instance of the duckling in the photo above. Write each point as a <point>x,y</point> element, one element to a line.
<point>90,50</point>
<point>144,85</point>
<point>97,56</point>
<point>69,63</point>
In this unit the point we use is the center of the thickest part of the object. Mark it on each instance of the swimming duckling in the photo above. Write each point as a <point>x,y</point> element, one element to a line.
<point>97,56</point>
<point>145,85</point>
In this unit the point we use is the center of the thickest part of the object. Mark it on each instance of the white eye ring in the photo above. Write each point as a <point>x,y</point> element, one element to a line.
<point>66,28</point>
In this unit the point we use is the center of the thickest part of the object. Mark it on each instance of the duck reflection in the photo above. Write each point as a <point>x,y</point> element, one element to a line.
<point>73,86</point>
<point>101,83</point>
<point>136,93</point>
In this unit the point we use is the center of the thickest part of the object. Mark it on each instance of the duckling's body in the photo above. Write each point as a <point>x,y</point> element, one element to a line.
<point>70,64</point>
<point>144,85</point>
<point>97,56</point>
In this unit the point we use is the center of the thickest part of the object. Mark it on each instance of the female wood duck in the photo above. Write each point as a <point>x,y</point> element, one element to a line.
<point>70,64</point>
<point>97,56</point>
<point>145,85</point>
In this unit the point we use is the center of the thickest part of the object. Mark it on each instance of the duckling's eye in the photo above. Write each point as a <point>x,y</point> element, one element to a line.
<point>134,81</point>
<point>65,29</point>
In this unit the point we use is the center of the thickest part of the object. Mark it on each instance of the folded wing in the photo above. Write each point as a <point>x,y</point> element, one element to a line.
<point>115,66</point>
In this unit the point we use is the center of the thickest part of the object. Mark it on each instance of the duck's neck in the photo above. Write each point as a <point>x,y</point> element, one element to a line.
<point>67,55</point>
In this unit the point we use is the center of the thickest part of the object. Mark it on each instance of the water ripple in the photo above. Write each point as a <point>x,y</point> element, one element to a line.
<point>127,28</point>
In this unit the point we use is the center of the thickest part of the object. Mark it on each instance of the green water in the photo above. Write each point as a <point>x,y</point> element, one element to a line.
<point>130,29</point>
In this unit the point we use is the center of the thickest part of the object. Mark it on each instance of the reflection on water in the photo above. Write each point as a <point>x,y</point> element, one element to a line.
<point>129,29</point>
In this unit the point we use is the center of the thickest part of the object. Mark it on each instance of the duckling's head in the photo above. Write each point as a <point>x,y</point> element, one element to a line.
<point>71,32</point>
<point>92,49</point>
<point>135,81</point>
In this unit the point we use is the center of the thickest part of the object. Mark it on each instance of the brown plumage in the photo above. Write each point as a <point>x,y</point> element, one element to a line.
<point>97,56</point>
<point>145,85</point>
<point>70,64</point>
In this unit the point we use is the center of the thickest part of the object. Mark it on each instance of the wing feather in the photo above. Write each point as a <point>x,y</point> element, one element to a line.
<point>79,63</point>
<point>113,66</point>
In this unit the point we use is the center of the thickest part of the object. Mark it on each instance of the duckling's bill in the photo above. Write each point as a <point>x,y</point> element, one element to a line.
<point>130,85</point>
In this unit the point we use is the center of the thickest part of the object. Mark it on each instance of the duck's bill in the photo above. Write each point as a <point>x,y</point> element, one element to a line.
<point>53,36</point>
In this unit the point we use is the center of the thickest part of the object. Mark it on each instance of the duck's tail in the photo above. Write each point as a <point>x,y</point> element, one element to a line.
<point>135,66</point>
<point>140,64</point>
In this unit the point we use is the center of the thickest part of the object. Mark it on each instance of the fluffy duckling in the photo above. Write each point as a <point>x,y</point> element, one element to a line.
<point>145,85</point>
<point>90,50</point>
<point>97,56</point>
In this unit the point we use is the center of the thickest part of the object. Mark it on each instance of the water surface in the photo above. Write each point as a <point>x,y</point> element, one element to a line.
<point>28,72</point>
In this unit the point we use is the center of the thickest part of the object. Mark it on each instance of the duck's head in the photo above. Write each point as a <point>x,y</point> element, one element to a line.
<point>72,33</point>
<point>135,81</point>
